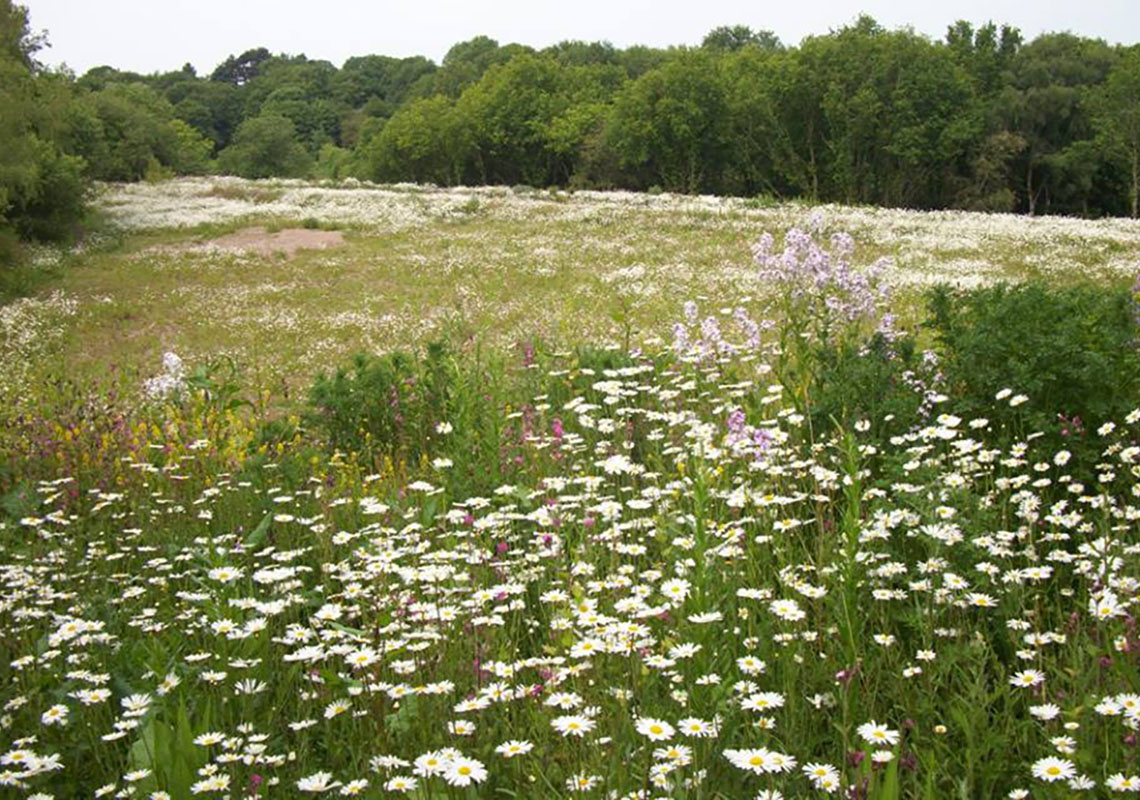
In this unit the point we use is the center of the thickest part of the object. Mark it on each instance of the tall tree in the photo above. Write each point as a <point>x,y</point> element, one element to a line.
<point>1117,119</point>
<point>671,126</point>
<point>264,147</point>
<point>240,70</point>
<point>509,111</point>
<point>426,141</point>
<point>42,186</point>
<point>734,37</point>
<point>1044,103</point>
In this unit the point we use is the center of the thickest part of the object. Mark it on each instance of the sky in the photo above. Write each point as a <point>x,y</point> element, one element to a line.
<point>160,35</point>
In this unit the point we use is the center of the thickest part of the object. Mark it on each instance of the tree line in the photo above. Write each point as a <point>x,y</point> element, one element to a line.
<point>980,119</point>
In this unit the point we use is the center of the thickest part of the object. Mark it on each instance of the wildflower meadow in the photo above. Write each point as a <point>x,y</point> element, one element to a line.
<point>813,520</point>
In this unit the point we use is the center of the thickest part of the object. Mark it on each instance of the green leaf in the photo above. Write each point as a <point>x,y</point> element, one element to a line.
<point>346,629</point>
<point>259,534</point>
<point>890,790</point>
<point>144,755</point>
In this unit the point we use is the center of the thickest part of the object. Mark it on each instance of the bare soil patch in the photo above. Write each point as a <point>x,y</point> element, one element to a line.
<point>287,241</point>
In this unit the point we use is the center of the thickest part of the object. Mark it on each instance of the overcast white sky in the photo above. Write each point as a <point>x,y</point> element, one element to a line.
<point>159,35</point>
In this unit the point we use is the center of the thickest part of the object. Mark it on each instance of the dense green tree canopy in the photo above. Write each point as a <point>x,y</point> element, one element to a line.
<point>734,37</point>
<point>424,142</point>
<point>670,127</point>
<point>263,147</point>
<point>1116,109</point>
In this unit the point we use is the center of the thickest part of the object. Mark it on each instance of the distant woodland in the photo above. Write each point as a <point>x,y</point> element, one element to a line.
<point>981,119</point>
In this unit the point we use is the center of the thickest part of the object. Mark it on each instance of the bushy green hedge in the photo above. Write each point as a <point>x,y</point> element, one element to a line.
<point>1031,358</point>
<point>1072,350</point>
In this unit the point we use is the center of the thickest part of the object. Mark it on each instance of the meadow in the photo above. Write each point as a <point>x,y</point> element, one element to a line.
<point>547,494</point>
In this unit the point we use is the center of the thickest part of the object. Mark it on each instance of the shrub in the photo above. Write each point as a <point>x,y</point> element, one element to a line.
<point>384,405</point>
<point>332,162</point>
<point>1072,350</point>
<point>53,209</point>
<point>883,381</point>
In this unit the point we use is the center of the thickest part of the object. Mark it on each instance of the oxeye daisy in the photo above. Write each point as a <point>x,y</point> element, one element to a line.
<point>317,782</point>
<point>581,783</point>
<point>429,764</point>
<point>757,760</point>
<point>788,610</point>
<point>750,665</point>
<point>1120,783</point>
<point>654,729</point>
<point>461,727</point>
<point>514,748</point>
<point>573,725</point>
<point>56,715</point>
<point>354,788</point>
<point>464,771</point>
<point>1027,678</point>
<point>696,728</point>
<point>400,783</point>
<point>1053,769</point>
<point>875,734</point>
<point>762,701</point>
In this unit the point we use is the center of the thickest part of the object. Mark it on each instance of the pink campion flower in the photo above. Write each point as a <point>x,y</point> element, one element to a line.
<point>845,675</point>
<point>1136,299</point>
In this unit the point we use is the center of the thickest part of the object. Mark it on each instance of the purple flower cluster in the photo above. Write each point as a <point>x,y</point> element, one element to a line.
<point>821,281</point>
<point>696,339</point>
<point>926,381</point>
<point>742,436</point>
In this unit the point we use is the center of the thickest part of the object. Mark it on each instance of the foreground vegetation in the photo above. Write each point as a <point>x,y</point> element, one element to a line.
<point>815,540</point>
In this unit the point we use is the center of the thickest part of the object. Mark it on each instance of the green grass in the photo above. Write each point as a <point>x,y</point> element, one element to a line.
<point>504,268</point>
